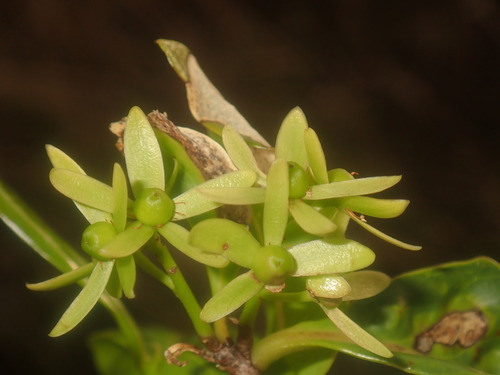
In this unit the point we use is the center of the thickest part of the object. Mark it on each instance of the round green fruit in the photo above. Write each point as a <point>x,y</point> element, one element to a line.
<point>153,207</point>
<point>96,236</point>
<point>299,180</point>
<point>273,264</point>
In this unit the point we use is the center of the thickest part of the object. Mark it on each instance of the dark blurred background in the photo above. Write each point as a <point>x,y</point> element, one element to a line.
<point>391,87</point>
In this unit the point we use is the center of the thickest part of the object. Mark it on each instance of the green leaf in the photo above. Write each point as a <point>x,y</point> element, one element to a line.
<point>142,153</point>
<point>316,157</point>
<point>177,55</point>
<point>276,203</point>
<point>319,257</point>
<point>127,242</point>
<point>85,300</point>
<point>192,203</point>
<point>381,208</point>
<point>65,279</point>
<point>178,237</point>
<point>120,198</point>
<point>234,195</point>
<point>309,219</point>
<point>359,186</point>
<point>365,284</point>
<point>127,274</point>
<point>231,297</point>
<point>222,236</point>
<point>290,139</point>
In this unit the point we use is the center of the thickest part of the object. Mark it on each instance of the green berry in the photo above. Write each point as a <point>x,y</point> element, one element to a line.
<point>273,264</point>
<point>153,207</point>
<point>299,180</point>
<point>96,236</point>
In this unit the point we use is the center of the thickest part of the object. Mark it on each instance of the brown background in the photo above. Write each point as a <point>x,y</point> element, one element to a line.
<point>391,87</point>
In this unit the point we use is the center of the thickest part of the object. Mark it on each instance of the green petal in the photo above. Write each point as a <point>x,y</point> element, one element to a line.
<point>276,203</point>
<point>316,157</point>
<point>127,242</point>
<point>83,189</point>
<point>127,274</point>
<point>239,152</point>
<point>360,186</point>
<point>222,236</point>
<point>382,235</point>
<point>178,237</point>
<point>231,297</point>
<point>65,279</point>
<point>85,300</point>
<point>120,198</point>
<point>234,195</point>
<point>365,284</point>
<point>142,153</point>
<point>309,219</point>
<point>381,208</point>
<point>328,286</point>
<point>192,203</point>
<point>356,333</point>
<point>290,140</point>
<point>319,257</point>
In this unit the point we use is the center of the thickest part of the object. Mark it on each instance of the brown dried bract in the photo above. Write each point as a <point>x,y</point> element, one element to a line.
<point>462,327</point>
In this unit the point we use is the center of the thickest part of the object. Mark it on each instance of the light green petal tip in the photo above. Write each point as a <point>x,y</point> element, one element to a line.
<point>127,242</point>
<point>62,280</point>
<point>276,203</point>
<point>85,300</point>
<point>310,220</point>
<point>177,55</point>
<point>365,284</point>
<point>381,208</point>
<point>120,198</point>
<point>290,139</point>
<point>315,156</point>
<point>142,153</point>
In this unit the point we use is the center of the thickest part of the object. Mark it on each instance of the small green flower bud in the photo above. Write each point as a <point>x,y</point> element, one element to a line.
<point>153,207</point>
<point>273,264</point>
<point>299,180</point>
<point>96,236</point>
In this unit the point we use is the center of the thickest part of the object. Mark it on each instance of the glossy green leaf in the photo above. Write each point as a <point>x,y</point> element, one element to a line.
<point>357,334</point>
<point>382,208</point>
<point>222,236</point>
<point>142,153</point>
<point>359,186</point>
<point>62,280</point>
<point>328,286</point>
<point>127,242</point>
<point>83,189</point>
<point>382,235</point>
<point>276,203</point>
<point>365,284</point>
<point>120,198</point>
<point>85,300</point>
<point>234,195</point>
<point>319,257</point>
<point>127,274</point>
<point>231,297</point>
<point>178,237</point>
<point>315,157</point>
<point>192,203</point>
<point>309,219</point>
<point>290,139</point>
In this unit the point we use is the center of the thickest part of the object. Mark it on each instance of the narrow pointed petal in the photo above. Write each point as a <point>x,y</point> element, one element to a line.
<point>359,186</point>
<point>65,279</point>
<point>356,333</point>
<point>85,300</point>
<point>290,139</point>
<point>234,195</point>
<point>231,297</point>
<point>381,208</point>
<point>382,235</point>
<point>192,203</point>
<point>127,242</point>
<point>328,287</point>
<point>120,198</point>
<point>365,284</point>
<point>316,157</point>
<point>142,153</point>
<point>178,237</point>
<point>127,274</point>
<point>225,237</point>
<point>83,189</point>
<point>309,219</point>
<point>319,257</point>
<point>276,203</point>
